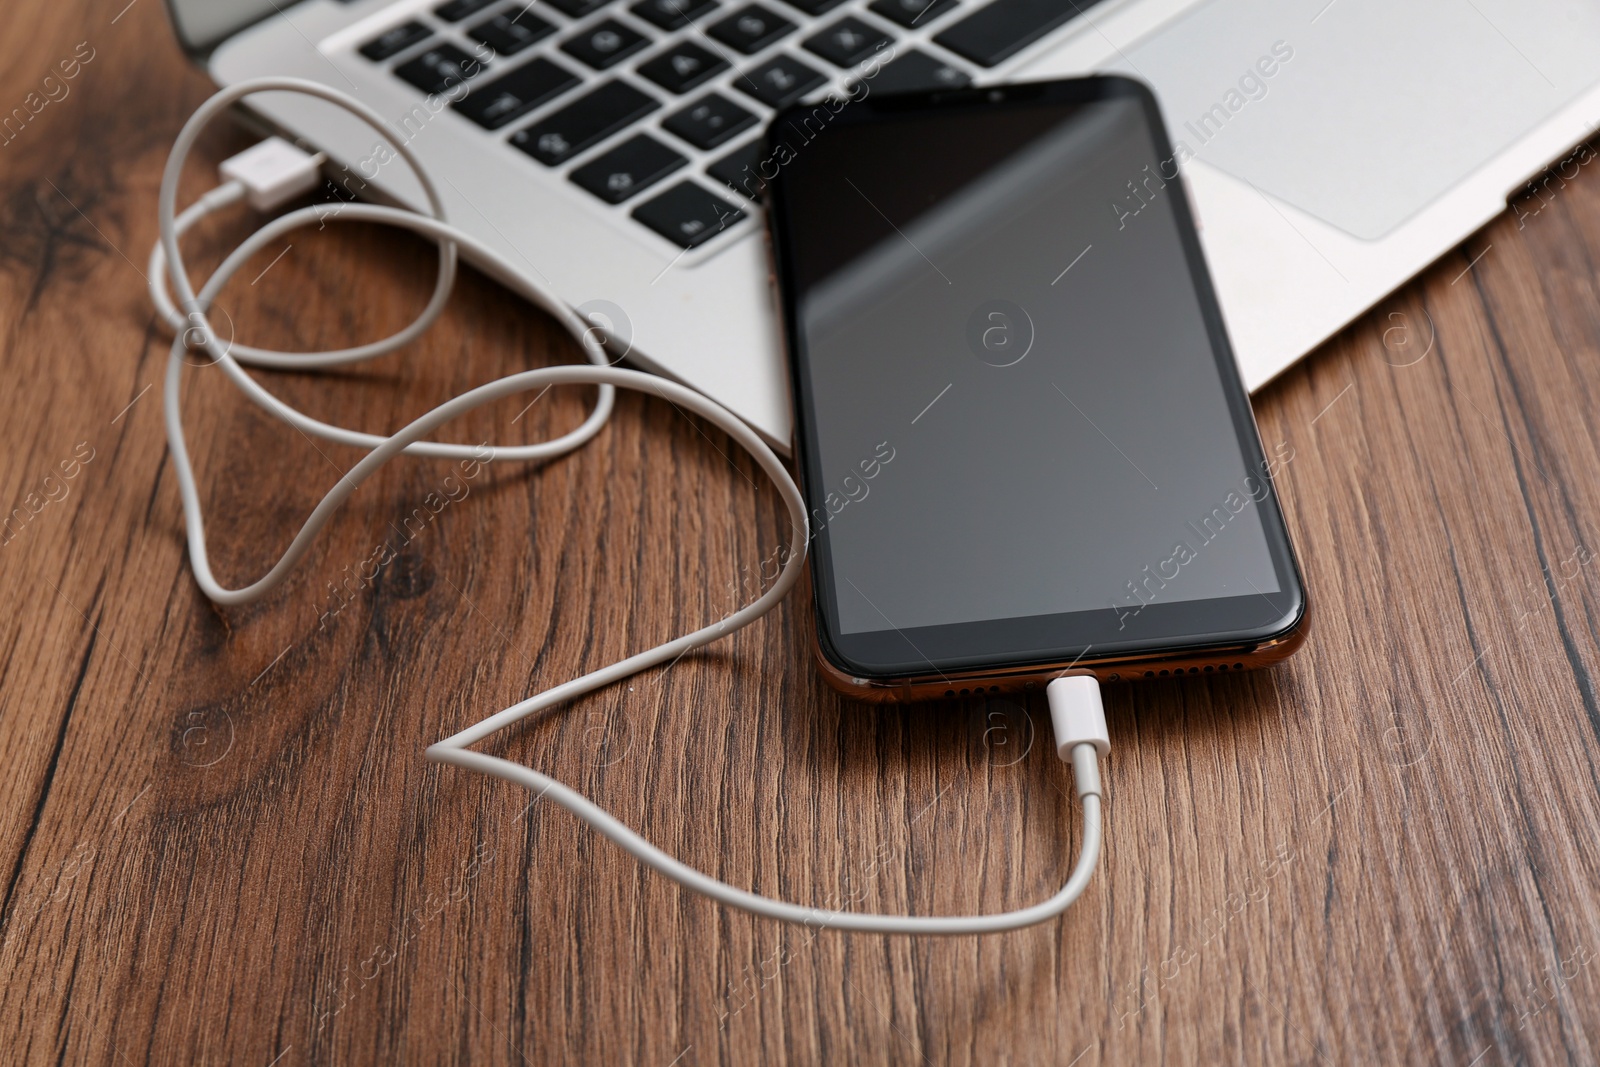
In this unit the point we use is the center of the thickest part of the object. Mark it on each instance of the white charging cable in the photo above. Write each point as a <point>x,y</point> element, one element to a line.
<point>275,172</point>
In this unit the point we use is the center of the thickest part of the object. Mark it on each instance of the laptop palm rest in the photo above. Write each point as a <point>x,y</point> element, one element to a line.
<point>1362,112</point>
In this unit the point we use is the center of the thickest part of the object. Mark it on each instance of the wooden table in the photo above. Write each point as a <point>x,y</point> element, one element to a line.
<point>220,842</point>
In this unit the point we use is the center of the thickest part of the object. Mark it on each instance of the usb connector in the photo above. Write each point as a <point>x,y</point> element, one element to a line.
<point>1078,718</point>
<point>274,172</point>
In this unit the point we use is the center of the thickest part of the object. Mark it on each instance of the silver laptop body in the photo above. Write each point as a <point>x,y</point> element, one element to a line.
<point>1332,148</point>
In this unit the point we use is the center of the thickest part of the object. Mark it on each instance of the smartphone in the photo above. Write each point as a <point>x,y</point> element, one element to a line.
<point>1023,440</point>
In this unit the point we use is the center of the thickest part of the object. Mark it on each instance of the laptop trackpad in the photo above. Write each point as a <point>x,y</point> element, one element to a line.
<point>1372,109</point>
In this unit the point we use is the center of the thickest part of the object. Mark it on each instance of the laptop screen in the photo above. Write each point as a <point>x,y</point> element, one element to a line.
<point>204,24</point>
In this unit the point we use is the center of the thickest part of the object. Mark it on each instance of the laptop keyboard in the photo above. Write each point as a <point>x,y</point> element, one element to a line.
<point>643,92</point>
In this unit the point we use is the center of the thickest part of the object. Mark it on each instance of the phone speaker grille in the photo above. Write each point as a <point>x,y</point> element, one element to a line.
<point>1209,668</point>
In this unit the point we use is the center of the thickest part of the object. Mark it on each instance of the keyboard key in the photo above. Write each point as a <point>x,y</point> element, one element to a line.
<point>740,170</point>
<point>672,14</point>
<point>814,7</point>
<point>780,81</point>
<point>687,215</point>
<point>915,72</point>
<point>1006,27</point>
<point>583,123</point>
<point>605,44</point>
<point>910,13</point>
<point>508,98</point>
<point>440,67</point>
<point>393,42</point>
<point>456,10</point>
<point>577,8</point>
<point>633,165</point>
<point>751,28</point>
<point>710,121</point>
<point>510,34</point>
<point>682,67</point>
<point>847,42</point>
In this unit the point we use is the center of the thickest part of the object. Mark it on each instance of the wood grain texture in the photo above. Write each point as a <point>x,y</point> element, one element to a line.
<point>219,841</point>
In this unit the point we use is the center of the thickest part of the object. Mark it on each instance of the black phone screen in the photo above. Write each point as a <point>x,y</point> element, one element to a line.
<point>1022,432</point>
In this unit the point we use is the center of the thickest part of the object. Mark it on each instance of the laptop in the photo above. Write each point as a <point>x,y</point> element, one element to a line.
<point>611,148</point>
